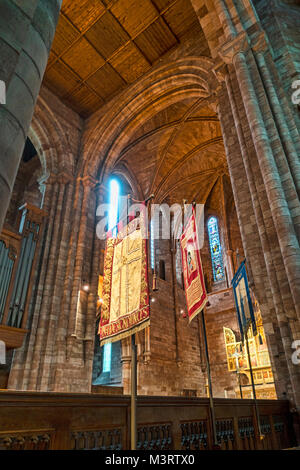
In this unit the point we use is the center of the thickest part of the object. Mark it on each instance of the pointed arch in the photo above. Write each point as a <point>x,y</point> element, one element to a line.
<point>184,78</point>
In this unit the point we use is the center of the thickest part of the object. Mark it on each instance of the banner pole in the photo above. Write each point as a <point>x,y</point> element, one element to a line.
<point>240,385</point>
<point>260,434</point>
<point>133,421</point>
<point>133,395</point>
<point>211,400</point>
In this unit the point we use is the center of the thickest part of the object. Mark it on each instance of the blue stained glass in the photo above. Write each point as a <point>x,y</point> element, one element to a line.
<point>107,357</point>
<point>215,249</point>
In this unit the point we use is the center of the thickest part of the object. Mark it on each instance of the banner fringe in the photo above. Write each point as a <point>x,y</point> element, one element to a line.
<point>125,334</point>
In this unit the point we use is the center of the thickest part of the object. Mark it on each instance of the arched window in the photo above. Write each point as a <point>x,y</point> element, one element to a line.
<point>114,193</point>
<point>152,246</point>
<point>215,249</point>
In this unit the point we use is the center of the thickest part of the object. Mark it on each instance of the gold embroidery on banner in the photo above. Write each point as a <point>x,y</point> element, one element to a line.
<point>125,287</point>
<point>107,279</point>
<point>194,290</point>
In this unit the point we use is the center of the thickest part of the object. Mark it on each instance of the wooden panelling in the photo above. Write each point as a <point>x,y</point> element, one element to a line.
<point>162,4</point>
<point>122,37</point>
<point>88,421</point>
<point>65,35</point>
<point>60,79</point>
<point>134,15</point>
<point>130,63</point>
<point>106,81</point>
<point>83,58</point>
<point>84,99</point>
<point>107,35</point>
<point>155,40</point>
<point>181,17</point>
<point>51,60</point>
<point>12,337</point>
<point>83,13</point>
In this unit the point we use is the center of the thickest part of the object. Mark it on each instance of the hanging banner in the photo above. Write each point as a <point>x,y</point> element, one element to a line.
<point>125,308</point>
<point>243,302</point>
<point>195,292</point>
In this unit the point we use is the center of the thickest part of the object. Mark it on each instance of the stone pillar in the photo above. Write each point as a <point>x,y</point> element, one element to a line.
<point>27,370</point>
<point>265,181</point>
<point>73,355</point>
<point>90,317</point>
<point>88,185</point>
<point>27,29</point>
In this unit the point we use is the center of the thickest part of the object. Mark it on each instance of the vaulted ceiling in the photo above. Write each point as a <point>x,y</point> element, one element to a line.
<point>100,47</point>
<point>179,154</point>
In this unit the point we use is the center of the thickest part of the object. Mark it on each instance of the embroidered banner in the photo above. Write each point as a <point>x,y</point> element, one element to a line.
<point>195,291</point>
<point>125,308</point>
<point>243,301</point>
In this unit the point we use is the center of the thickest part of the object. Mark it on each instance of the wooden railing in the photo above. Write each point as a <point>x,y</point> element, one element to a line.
<point>18,256</point>
<point>32,420</point>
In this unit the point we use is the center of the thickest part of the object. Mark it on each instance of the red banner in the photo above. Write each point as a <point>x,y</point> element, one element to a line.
<point>195,292</point>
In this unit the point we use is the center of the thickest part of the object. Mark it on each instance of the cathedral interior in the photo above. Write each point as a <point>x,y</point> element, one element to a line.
<point>180,100</point>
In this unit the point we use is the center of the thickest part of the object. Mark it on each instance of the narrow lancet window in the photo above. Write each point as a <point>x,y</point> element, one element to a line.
<point>215,249</point>
<point>112,222</point>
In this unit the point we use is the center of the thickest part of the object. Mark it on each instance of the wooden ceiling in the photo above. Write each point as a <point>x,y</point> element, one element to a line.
<point>102,46</point>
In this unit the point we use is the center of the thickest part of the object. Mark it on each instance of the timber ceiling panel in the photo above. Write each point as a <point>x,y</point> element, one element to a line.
<point>101,46</point>
<point>107,36</point>
<point>83,58</point>
<point>82,13</point>
<point>130,63</point>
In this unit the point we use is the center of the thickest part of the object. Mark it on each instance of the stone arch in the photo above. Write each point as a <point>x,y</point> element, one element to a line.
<point>122,170</point>
<point>184,78</point>
<point>50,141</point>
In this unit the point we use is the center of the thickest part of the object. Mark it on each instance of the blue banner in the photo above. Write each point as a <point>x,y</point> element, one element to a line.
<point>243,302</point>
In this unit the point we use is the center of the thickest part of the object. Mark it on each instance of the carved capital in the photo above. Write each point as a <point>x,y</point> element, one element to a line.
<point>64,178</point>
<point>230,49</point>
<point>220,71</point>
<point>61,178</point>
<point>100,191</point>
<point>52,179</point>
<point>88,181</point>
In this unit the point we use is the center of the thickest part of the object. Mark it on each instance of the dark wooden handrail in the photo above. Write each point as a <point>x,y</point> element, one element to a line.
<point>92,421</point>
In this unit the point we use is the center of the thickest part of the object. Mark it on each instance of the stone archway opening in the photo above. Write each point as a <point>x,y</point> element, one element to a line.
<point>29,186</point>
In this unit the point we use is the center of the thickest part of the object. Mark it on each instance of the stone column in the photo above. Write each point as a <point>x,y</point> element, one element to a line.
<point>90,318</point>
<point>60,241</point>
<point>46,310</point>
<point>26,33</point>
<point>26,361</point>
<point>264,183</point>
<point>273,179</point>
<point>88,185</point>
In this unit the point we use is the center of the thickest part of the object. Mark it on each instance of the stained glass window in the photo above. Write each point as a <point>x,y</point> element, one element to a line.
<point>215,249</point>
